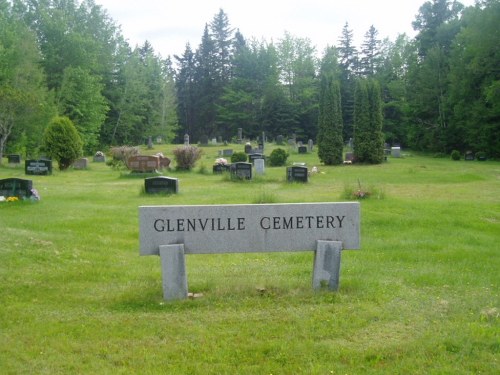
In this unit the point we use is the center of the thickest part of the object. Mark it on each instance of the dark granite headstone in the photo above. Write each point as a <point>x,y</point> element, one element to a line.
<point>248,148</point>
<point>254,156</point>
<point>16,187</point>
<point>296,174</point>
<point>302,149</point>
<point>241,170</point>
<point>161,184</point>
<point>221,168</point>
<point>38,167</point>
<point>14,158</point>
<point>469,156</point>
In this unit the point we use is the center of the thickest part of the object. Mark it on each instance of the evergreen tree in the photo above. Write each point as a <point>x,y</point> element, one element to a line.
<point>348,61</point>
<point>370,53</point>
<point>330,141</point>
<point>62,142</point>
<point>368,136</point>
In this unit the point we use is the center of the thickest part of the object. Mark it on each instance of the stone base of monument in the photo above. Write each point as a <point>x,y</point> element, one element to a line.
<point>326,269</point>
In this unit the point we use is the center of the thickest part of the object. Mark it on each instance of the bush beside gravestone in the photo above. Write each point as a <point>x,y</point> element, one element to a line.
<point>455,155</point>
<point>62,142</point>
<point>278,157</point>
<point>238,157</point>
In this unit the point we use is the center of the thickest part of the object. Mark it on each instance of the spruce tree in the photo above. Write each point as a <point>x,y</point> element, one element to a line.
<point>368,119</point>
<point>330,140</point>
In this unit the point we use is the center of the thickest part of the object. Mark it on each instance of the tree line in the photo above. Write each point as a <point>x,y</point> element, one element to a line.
<point>438,91</point>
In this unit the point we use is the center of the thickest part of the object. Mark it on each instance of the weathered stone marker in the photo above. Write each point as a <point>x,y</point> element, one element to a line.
<point>173,231</point>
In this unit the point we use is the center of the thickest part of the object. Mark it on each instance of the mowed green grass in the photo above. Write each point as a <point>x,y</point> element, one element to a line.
<point>421,296</point>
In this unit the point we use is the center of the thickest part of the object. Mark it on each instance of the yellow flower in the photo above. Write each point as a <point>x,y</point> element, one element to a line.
<point>12,199</point>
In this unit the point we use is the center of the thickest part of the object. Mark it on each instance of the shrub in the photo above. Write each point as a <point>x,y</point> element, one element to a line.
<point>186,157</point>
<point>238,157</point>
<point>455,155</point>
<point>123,152</point>
<point>62,142</point>
<point>278,157</point>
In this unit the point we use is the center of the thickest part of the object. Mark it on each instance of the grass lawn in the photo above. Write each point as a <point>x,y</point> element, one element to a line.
<point>421,296</point>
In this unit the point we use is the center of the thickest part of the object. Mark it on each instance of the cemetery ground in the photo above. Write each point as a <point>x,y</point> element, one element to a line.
<point>421,296</point>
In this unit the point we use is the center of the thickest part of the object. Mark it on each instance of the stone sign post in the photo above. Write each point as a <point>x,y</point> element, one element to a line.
<point>173,231</point>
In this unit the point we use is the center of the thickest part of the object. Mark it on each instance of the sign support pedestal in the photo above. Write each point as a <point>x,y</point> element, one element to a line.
<point>173,269</point>
<point>326,269</point>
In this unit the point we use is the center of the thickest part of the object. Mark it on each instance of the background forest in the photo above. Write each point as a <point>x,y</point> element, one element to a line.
<point>440,91</point>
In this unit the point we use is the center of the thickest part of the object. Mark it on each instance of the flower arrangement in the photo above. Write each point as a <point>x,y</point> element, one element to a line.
<point>12,199</point>
<point>34,195</point>
<point>220,161</point>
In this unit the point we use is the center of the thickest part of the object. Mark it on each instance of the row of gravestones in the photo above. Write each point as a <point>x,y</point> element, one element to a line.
<point>240,170</point>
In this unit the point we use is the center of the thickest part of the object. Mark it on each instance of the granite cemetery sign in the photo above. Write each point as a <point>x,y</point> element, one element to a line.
<point>173,231</point>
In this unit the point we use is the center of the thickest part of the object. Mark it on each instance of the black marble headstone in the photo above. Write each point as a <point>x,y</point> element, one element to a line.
<point>296,174</point>
<point>16,187</point>
<point>161,184</point>
<point>38,167</point>
<point>241,170</point>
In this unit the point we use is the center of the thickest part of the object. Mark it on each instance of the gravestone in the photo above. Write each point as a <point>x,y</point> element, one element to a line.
<point>38,167</point>
<point>164,161</point>
<point>81,163</point>
<point>16,187</point>
<point>254,156</point>
<point>214,141</point>
<point>279,140</point>
<point>14,158</point>
<point>396,152</point>
<point>240,135</point>
<point>469,156</point>
<point>259,165</point>
<point>248,148</point>
<point>296,174</point>
<point>150,143</point>
<point>302,149</point>
<point>241,170</point>
<point>143,163</point>
<point>99,157</point>
<point>227,152</point>
<point>221,168</point>
<point>310,145</point>
<point>161,184</point>
<point>186,139</point>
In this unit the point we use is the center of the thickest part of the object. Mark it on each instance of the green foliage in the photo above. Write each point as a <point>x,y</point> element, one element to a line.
<point>62,142</point>
<point>330,141</point>
<point>186,157</point>
<point>455,155</point>
<point>278,157</point>
<point>368,136</point>
<point>239,156</point>
<point>78,298</point>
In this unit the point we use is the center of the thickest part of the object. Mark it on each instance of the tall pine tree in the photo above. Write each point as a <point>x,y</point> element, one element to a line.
<point>330,140</point>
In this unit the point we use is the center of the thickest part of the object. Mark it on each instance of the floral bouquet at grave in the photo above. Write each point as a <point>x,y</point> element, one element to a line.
<point>220,161</point>
<point>220,165</point>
